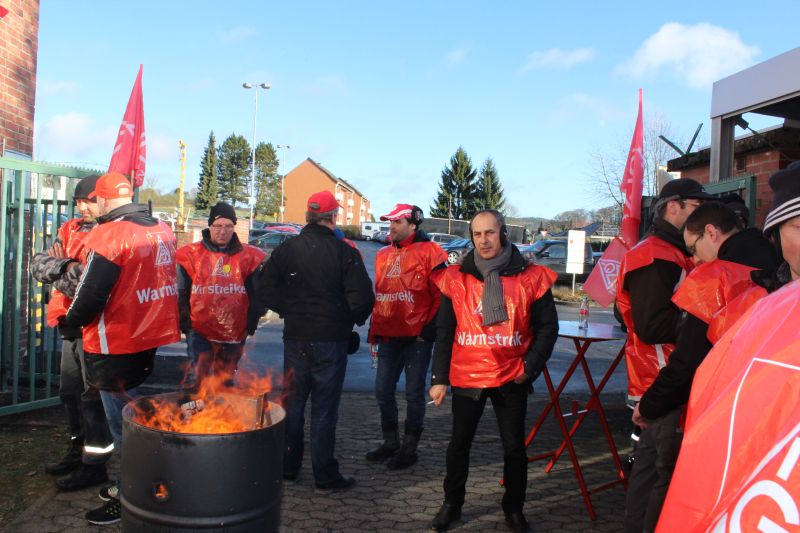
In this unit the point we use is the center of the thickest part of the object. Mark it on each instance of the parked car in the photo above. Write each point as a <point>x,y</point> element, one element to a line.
<point>270,241</point>
<point>456,250</point>
<point>553,254</point>
<point>442,238</point>
<point>381,236</point>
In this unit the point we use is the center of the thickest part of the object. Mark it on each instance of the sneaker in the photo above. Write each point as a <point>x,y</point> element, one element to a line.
<point>110,513</point>
<point>108,493</point>
<point>84,476</point>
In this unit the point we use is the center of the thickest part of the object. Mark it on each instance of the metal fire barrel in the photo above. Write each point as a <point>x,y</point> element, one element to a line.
<point>201,482</point>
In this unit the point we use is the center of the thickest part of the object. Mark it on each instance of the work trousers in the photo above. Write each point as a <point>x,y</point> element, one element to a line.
<point>84,407</point>
<point>653,464</point>
<point>509,402</point>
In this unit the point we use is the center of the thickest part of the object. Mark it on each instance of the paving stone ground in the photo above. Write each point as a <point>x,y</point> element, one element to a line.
<point>406,500</point>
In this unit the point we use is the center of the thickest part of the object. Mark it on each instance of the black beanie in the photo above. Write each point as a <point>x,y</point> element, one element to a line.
<point>85,187</point>
<point>222,210</point>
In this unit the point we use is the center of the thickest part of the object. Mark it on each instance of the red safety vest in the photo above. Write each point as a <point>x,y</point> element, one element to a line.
<point>642,360</point>
<point>219,302</point>
<point>738,467</point>
<point>405,297</point>
<point>142,310</point>
<point>733,311</point>
<point>710,287</point>
<point>73,240</point>
<point>490,356</point>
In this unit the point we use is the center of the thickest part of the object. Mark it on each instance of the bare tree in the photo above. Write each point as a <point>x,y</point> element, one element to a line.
<point>607,163</point>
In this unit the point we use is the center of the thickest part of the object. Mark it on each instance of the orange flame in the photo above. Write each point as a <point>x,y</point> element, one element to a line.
<point>218,406</point>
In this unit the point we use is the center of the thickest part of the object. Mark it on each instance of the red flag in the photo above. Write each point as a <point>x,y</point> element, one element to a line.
<point>738,465</point>
<point>631,185</point>
<point>601,284</point>
<point>3,12</point>
<point>129,152</point>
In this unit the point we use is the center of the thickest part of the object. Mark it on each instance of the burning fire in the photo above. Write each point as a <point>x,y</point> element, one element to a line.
<point>216,407</point>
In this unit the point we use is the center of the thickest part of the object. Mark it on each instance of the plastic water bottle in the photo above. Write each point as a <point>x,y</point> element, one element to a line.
<point>583,314</point>
<point>373,353</point>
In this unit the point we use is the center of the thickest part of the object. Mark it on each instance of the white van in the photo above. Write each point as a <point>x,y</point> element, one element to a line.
<point>368,229</point>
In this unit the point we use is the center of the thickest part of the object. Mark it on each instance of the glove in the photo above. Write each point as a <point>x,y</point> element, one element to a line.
<point>353,342</point>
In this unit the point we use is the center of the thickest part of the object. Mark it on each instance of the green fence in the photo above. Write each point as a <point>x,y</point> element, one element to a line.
<point>744,186</point>
<point>35,199</point>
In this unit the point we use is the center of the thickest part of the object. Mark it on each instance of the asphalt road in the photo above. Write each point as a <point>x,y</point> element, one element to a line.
<point>264,351</point>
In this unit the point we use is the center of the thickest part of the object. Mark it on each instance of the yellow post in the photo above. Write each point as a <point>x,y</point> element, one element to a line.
<point>180,187</point>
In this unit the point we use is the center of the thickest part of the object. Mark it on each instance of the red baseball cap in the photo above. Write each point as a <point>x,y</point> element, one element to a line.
<point>400,211</point>
<point>111,186</point>
<point>322,202</point>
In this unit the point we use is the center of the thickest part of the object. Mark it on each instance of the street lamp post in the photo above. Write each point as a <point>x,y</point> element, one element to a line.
<point>283,177</point>
<point>255,118</point>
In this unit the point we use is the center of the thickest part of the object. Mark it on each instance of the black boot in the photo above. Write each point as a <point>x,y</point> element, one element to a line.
<point>70,461</point>
<point>448,513</point>
<point>407,454</point>
<point>391,443</point>
<point>85,476</point>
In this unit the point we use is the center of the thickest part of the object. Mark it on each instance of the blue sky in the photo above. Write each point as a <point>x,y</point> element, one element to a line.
<point>382,94</point>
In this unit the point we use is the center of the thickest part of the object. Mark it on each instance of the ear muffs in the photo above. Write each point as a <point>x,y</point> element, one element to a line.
<point>416,216</point>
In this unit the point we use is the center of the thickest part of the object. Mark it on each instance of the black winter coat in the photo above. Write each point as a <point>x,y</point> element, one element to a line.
<point>318,284</point>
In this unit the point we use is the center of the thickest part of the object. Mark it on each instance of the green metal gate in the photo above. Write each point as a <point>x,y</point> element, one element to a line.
<point>35,199</point>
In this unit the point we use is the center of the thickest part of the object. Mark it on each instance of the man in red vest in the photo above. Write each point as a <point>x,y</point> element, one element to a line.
<point>61,266</point>
<point>126,302</point>
<point>649,274</point>
<point>216,296</point>
<point>737,470</point>
<point>491,345</point>
<point>726,256</point>
<point>403,327</point>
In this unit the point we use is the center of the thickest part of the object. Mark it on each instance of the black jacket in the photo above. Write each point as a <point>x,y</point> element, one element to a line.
<point>255,308</point>
<point>544,325</point>
<point>673,384</point>
<point>318,284</point>
<point>655,317</point>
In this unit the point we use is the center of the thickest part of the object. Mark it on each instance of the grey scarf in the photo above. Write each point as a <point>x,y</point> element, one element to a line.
<point>494,309</point>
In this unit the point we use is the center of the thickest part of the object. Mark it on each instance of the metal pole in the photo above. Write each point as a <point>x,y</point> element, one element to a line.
<point>253,175</point>
<point>283,177</point>
<point>180,221</point>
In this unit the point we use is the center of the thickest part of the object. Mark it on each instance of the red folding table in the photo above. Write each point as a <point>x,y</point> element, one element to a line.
<point>583,339</point>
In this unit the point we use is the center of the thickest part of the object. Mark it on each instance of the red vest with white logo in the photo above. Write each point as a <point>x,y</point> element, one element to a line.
<point>142,310</point>
<point>738,466</point>
<point>219,301</point>
<point>490,356</point>
<point>405,297</point>
<point>73,240</point>
<point>643,360</point>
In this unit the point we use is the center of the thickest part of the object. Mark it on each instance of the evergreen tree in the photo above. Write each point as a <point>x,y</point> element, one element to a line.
<point>457,189</point>
<point>207,187</point>
<point>490,192</point>
<point>268,181</point>
<point>234,170</point>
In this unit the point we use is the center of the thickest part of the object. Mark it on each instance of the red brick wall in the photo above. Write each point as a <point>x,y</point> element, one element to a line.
<point>19,43</point>
<point>761,163</point>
